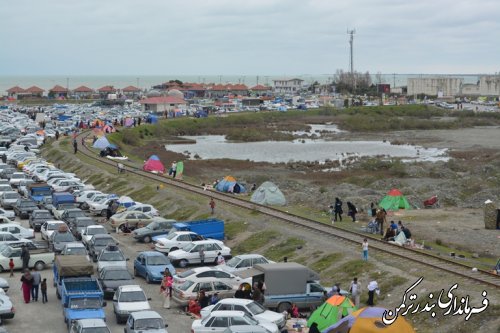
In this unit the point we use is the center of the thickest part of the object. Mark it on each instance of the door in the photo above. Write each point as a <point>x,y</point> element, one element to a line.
<point>224,290</point>
<point>314,295</point>
<point>211,251</point>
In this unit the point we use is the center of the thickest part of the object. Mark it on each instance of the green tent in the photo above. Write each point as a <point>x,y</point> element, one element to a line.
<point>331,312</point>
<point>268,194</point>
<point>394,200</point>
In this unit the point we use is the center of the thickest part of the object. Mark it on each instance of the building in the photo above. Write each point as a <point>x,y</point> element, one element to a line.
<point>237,89</point>
<point>287,86</point>
<point>435,86</point>
<point>131,92</point>
<point>58,92</point>
<point>488,85</point>
<point>162,104</point>
<point>16,92</point>
<point>105,91</point>
<point>35,92</point>
<point>217,91</point>
<point>260,90</point>
<point>83,92</point>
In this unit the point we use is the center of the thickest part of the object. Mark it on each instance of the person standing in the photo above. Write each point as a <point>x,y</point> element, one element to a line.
<point>355,291</point>
<point>25,256</point>
<point>257,295</point>
<point>165,289</point>
<point>27,281</point>
<point>11,267</point>
<point>338,210</point>
<point>35,284</point>
<point>380,217</point>
<point>57,135</point>
<point>373,209</point>
<point>75,146</point>
<point>365,249</point>
<point>43,288</point>
<point>201,252</point>
<point>351,211</point>
<point>220,259</point>
<point>212,205</point>
<point>372,290</point>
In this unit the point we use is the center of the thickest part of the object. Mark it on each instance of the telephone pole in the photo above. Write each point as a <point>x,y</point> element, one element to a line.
<point>351,44</point>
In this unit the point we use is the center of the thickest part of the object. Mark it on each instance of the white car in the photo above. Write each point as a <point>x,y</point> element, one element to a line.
<point>18,231</point>
<point>242,262</point>
<point>8,238</point>
<point>49,227</point>
<point>8,199</point>
<point>198,274</point>
<point>96,197</point>
<point>189,290</point>
<point>86,195</point>
<point>218,321</point>
<point>111,256</point>
<point>144,208</point>
<point>175,240</point>
<point>5,220</point>
<point>16,178</point>
<point>100,207</point>
<point>90,231</point>
<point>8,213</point>
<point>250,307</point>
<point>5,188</point>
<point>128,299</point>
<point>190,254</point>
<point>66,185</point>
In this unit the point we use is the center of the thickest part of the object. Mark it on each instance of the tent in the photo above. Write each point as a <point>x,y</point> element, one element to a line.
<point>369,320</point>
<point>268,194</point>
<point>108,129</point>
<point>101,143</point>
<point>154,164</point>
<point>394,200</point>
<point>152,119</point>
<point>331,311</point>
<point>229,184</point>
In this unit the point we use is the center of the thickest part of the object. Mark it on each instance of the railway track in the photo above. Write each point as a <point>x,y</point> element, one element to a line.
<point>429,260</point>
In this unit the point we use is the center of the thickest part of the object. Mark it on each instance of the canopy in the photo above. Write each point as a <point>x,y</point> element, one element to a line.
<point>152,119</point>
<point>69,266</point>
<point>369,320</point>
<point>154,164</point>
<point>331,312</point>
<point>394,200</point>
<point>268,194</point>
<point>101,143</point>
<point>229,185</point>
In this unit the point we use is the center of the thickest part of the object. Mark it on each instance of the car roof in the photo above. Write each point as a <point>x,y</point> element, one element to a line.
<point>229,313</point>
<point>95,226</point>
<point>246,329</point>
<point>114,268</point>
<point>131,287</point>
<point>95,322</point>
<point>103,236</point>
<point>74,244</point>
<point>147,314</point>
<point>247,256</point>
<point>152,254</point>
<point>240,301</point>
<point>55,221</point>
<point>206,241</point>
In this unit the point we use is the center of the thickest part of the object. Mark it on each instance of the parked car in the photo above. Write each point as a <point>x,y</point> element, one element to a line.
<point>112,277</point>
<point>85,195</point>
<point>18,231</point>
<point>38,217</point>
<point>175,240</point>
<point>111,256</point>
<point>250,307</point>
<point>245,329</point>
<point>158,227</point>
<point>46,203</point>
<point>190,254</point>
<point>8,238</point>
<point>144,208</point>
<point>133,219</point>
<point>144,322</point>
<point>24,207</point>
<point>69,215</point>
<point>74,249</point>
<point>200,273</point>
<point>90,231</point>
<point>151,265</point>
<point>7,310</point>
<point>97,243</point>
<point>5,220</point>
<point>9,199</point>
<point>242,262</point>
<point>16,178</point>
<point>89,326</point>
<point>218,321</point>
<point>59,238</point>
<point>39,260</point>
<point>187,291</point>
<point>5,188</point>
<point>8,213</point>
<point>49,227</point>
<point>128,299</point>
<point>79,224</point>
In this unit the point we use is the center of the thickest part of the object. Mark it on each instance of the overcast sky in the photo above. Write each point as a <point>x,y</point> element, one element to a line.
<point>247,37</point>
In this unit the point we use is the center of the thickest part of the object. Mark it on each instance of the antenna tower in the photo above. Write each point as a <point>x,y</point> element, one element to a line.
<point>351,44</point>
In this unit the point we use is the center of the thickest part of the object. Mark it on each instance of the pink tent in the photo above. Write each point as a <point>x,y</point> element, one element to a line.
<point>154,164</point>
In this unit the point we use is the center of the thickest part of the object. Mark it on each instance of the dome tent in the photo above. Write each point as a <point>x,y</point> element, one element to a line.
<point>331,311</point>
<point>394,200</point>
<point>229,185</point>
<point>154,164</point>
<point>268,194</point>
<point>101,143</point>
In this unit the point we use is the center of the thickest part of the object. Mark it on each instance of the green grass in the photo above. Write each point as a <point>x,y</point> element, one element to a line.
<point>326,261</point>
<point>256,241</point>
<point>286,248</point>
<point>234,228</point>
<point>143,194</point>
<point>354,268</point>
<point>184,213</point>
<point>388,283</point>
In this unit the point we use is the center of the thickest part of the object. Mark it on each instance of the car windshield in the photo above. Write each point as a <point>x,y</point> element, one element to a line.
<point>26,204</point>
<point>96,231</point>
<point>17,176</point>
<point>133,296</point>
<point>148,324</point>
<point>76,213</point>
<point>42,192</point>
<point>103,241</point>
<point>44,215</point>
<point>6,252</point>
<point>117,275</point>
<point>84,303</point>
<point>11,195</point>
<point>64,237</point>
<point>77,251</point>
<point>233,262</point>
<point>152,225</point>
<point>65,206</point>
<point>189,247</point>
<point>95,330</point>
<point>84,223</point>
<point>185,286</point>
<point>4,188</point>
<point>54,226</point>
<point>255,308</point>
<point>157,260</point>
<point>171,236</point>
<point>185,274</point>
<point>112,256</point>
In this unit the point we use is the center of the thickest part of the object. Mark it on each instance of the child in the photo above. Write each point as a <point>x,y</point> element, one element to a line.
<point>295,311</point>
<point>43,288</point>
<point>11,266</point>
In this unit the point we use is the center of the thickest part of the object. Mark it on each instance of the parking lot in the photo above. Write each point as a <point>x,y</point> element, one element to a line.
<point>39,317</point>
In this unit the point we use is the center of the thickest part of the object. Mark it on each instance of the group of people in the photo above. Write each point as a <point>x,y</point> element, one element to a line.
<point>394,229</point>
<point>336,210</point>
<point>31,284</point>
<point>255,292</point>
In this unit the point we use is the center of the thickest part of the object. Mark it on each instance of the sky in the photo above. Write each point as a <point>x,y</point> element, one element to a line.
<point>247,37</point>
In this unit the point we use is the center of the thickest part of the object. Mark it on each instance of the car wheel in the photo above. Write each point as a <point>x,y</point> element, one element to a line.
<point>285,306</point>
<point>148,279</point>
<point>39,265</point>
<point>183,263</point>
<point>104,212</point>
<point>147,239</point>
<point>1,268</point>
<point>173,249</point>
<point>117,319</point>
<point>135,272</point>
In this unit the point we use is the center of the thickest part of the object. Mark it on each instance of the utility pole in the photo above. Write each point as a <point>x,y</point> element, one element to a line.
<point>394,80</point>
<point>67,83</point>
<point>351,58</point>
<point>257,80</point>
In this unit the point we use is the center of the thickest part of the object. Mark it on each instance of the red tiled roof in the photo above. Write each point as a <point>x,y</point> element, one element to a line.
<point>219,87</point>
<point>238,87</point>
<point>34,90</point>
<point>108,89</point>
<point>83,89</point>
<point>163,100</point>
<point>131,89</point>
<point>16,90</point>
<point>259,87</point>
<point>58,89</point>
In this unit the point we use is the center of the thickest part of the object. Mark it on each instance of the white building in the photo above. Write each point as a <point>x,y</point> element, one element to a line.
<point>435,86</point>
<point>488,85</point>
<point>287,86</point>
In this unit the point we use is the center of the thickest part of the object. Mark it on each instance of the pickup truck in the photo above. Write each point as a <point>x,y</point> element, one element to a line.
<point>70,267</point>
<point>301,288</point>
<point>39,259</point>
<point>82,298</point>
<point>37,191</point>
<point>209,228</point>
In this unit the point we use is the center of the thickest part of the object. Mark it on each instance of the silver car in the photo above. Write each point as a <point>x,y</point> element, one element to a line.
<point>145,321</point>
<point>9,198</point>
<point>89,326</point>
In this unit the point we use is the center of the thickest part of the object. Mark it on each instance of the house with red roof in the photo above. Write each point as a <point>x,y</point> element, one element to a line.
<point>237,89</point>
<point>131,91</point>
<point>217,91</point>
<point>58,92</point>
<point>105,91</point>
<point>260,90</point>
<point>35,92</point>
<point>16,92</point>
<point>83,92</point>
<point>162,104</point>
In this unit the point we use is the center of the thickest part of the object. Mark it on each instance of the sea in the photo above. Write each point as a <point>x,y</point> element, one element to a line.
<point>147,81</point>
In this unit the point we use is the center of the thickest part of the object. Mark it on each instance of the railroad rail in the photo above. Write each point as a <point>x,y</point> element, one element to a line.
<point>409,255</point>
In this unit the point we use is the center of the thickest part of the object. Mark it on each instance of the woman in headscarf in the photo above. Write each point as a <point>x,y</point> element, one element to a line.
<point>27,282</point>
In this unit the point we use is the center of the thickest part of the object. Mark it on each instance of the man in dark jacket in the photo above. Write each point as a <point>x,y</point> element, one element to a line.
<point>25,256</point>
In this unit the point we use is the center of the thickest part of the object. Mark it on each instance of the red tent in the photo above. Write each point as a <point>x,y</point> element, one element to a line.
<point>154,164</point>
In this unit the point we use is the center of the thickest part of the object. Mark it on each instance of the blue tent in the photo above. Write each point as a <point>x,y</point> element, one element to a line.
<point>63,117</point>
<point>152,119</point>
<point>101,143</point>
<point>229,185</point>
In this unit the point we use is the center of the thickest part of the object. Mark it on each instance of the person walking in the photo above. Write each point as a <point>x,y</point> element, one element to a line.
<point>212,205</point>
<point>372,290</point>
<point>166,289</point>
<point>220,259</point>
<point>43,289</point>
<point>35,284</point>
<point>373,209</point>
<point>351,211</point>
<point>27,281</point>
<point>380,218</point>
<point>57,135</point>
<point>11,267</point>
<point>364,246</point>
<point>75,146</point>
<point>201,253</point>
<point>25,256</point>
<point>355,291</point>
<point>338,210</point>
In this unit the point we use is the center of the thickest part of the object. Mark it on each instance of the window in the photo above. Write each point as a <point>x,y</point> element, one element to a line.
<point>241,308</point>
<point>259,260</point>
<point>146,209</point>
<point>184,238</point>
<point>221,275</point>
<point>220,322</point>
<point>141,216</point>
<point>238,321</point>
<point>216,247</point>
<point>209,247</point>
<point>245,263</point>
<point>206,274</point>
<point>316,288</point>
<point>221,286</point>
<point>130,216</point>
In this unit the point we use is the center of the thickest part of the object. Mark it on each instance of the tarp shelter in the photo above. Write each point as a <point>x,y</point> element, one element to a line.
<point>229,184</point>
<point>394,200</point>
<point>126,201</point>
<point>154,164</point>
<point>101,143</point>
<point>63,117</point>
<point>152,119</point>
<point>108,129</point>
<point>369,320</point>
<point>268,194</point>
<point>73,266</point>
<point>334,309</point>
